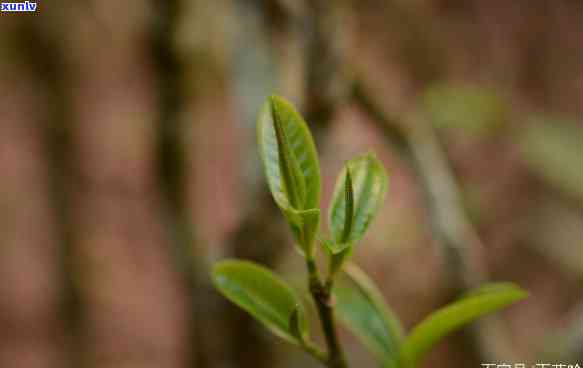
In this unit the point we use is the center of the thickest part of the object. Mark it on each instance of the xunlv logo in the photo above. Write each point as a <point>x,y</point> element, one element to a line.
<point>26,6</point>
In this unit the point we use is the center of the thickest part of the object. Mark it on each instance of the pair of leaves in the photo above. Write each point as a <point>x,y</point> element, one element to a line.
<point>362,309</point>
<point>291,165</point>
<point>360,306</point>
<point>290,162</point>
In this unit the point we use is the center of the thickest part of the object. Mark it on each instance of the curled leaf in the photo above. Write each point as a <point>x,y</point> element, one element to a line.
<point>290,162</point>
<point>360,191</point>
<point>293,182</point>
<point>289,156</point>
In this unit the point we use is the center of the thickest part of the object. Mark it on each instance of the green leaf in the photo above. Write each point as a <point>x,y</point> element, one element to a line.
<point>289,156</point>
<point>552,149</point>
<point>293,181</point>
<point>360,306</point>
<point>291,165</point>
<point>360,191</point>
<point>262,294</point>
<point>477,111</point>
<point>484,300</point>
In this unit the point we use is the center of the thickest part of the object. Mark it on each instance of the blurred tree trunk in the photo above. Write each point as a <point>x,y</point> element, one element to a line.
<point>30,332</point>
<point>175,173</point>
<point>52,160</point>
<point>260,234</point>
<point>133,300</point>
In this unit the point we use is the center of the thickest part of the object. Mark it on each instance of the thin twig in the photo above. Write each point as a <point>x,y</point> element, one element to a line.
<point>323,298</point>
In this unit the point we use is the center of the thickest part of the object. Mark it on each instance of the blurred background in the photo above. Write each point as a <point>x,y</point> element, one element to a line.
<point>129,165</point>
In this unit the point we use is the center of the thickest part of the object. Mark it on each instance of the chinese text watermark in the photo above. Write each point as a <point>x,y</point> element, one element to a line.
<point>536,365</point>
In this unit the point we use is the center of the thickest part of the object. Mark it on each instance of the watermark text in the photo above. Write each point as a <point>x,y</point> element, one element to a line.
<point>536,365</point>
<point>26,6</point>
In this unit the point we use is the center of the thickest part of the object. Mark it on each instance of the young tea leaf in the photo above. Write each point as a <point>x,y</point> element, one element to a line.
<point>360,306</point>
<point>293,181</point>
<point>484,300</point>
<point>360,191</point>
<point>289,156</point>
<point>291,165</point>
<point>263,295</point>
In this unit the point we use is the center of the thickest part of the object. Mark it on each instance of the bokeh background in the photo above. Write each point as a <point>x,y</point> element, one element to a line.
<point>128,165</point>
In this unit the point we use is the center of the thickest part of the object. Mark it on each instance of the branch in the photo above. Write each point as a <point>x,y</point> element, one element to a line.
<point>323,299</point>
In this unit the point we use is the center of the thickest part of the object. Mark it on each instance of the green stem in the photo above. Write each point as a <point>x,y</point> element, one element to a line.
<point>322,297</point>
